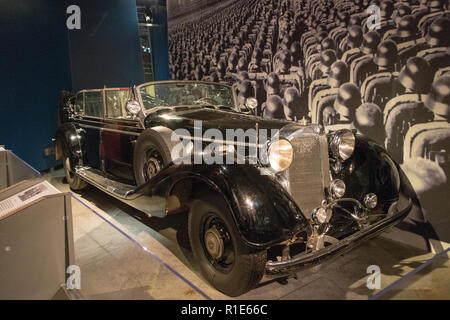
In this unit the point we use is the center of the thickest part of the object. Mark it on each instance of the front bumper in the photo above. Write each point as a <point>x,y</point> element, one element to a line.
<point>400,211</point>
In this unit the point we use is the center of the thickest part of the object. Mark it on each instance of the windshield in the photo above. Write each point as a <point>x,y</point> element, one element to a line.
<point>176,94</point>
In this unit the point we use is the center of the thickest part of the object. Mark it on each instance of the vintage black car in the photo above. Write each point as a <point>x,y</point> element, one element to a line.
<point>309,196</point>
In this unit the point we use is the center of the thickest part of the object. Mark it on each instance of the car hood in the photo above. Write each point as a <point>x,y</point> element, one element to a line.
<point>185,117</point>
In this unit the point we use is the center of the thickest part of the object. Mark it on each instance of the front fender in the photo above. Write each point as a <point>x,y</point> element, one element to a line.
<point>263,211</point>
<point>371,170</point>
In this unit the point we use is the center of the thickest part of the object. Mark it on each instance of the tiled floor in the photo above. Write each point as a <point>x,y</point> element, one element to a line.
<point>123,254</point>
<point>433,282</point>
<point>114,267</point>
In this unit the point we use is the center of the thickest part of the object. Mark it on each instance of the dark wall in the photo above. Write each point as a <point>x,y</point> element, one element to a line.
<point>34,66</point>
<point>106,51</point>
<point>40,57</point>
<point>159,37</point>
<point>160,45</point>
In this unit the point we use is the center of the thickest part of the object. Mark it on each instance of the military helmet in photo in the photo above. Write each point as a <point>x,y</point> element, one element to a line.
<point>348,99</point>
<point>416,75</point>
<point>438,100</point>
<point>386,55</point>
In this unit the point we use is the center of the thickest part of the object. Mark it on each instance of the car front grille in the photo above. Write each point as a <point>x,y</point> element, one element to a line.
<point>309,174</point>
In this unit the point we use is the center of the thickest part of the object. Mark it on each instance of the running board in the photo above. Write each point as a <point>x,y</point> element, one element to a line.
<point>151,205</point>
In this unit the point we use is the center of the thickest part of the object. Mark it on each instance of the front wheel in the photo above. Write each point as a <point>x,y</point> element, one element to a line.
<point>224,260</point>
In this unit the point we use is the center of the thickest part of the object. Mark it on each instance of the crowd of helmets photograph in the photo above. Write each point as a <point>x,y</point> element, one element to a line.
<point>213,149</point>
<point>379,67</point>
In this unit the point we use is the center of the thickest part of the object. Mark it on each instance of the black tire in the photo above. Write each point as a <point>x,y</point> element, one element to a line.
<point>248,265</point>
<point>148,140</point>
<point>74,181</point>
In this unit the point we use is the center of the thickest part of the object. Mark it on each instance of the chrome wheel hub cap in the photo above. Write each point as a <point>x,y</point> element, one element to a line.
<point>153,167</point>
<point>214,243</point>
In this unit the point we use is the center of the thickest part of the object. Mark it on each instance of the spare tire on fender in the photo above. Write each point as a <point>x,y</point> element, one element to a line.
<point>151,155</point>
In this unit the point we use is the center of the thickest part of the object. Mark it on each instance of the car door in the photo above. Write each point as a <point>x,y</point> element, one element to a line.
<point>119,134</point>
<point>92,121</point>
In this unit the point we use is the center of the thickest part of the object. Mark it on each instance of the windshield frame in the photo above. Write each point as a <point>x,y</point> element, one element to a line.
<point>145,111</point>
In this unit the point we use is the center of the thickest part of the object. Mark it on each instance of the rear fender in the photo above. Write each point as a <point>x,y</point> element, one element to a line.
<point>73,141</point>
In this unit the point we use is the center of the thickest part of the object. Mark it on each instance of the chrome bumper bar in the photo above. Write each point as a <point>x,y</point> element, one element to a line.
<point>344,245</point>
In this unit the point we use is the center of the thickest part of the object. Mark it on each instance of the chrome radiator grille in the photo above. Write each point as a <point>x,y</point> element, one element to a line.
<point>309,173</point>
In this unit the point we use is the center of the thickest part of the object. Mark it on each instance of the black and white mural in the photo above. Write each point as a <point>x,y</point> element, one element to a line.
<point>379,67</point>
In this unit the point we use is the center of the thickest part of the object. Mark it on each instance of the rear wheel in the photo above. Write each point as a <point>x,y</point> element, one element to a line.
<point>75,182</point>
<point>224,260</point>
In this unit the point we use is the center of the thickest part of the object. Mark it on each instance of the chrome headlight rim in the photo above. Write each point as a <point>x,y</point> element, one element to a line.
<point>342,144</point>
<point>251,103</point>
<point>273,155</point>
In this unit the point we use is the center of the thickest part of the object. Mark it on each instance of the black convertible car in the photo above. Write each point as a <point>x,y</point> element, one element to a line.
<point>278,196</point>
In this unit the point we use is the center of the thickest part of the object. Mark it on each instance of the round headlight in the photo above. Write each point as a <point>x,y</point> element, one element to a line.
<point>281,155</point>
<point>133,107</point>
<point>337,188</point>
<point>343,144</point>
<point>251,103</point>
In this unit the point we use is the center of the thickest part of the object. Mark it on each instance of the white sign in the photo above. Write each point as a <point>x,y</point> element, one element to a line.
<point>27,196</point>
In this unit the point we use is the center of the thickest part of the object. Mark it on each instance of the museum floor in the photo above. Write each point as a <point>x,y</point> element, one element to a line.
<point>123,254</point>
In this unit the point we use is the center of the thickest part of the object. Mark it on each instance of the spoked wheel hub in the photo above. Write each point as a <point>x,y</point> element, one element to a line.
<point>153,163</point>
<point>153,167</point>
<point>218,244</point>
<point>214,243</point>
<point>224,259</point>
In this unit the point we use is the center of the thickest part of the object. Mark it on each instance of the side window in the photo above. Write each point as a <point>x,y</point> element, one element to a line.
<point>93,104</point>
<point>116,101</point>
<point>79,103</point>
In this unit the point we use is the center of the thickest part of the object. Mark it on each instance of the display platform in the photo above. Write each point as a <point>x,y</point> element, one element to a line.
<point>126,255</point>
<point>35,233</point>
<point>36,238</point>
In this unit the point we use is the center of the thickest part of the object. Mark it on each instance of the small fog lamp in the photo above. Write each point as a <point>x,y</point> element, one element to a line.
<point>371,200</point>
<point>337,188</point>
<point>321,215</point>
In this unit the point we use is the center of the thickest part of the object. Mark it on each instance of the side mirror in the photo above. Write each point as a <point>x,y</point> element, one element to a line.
<point>133,108</point>
<point>251,103</point>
